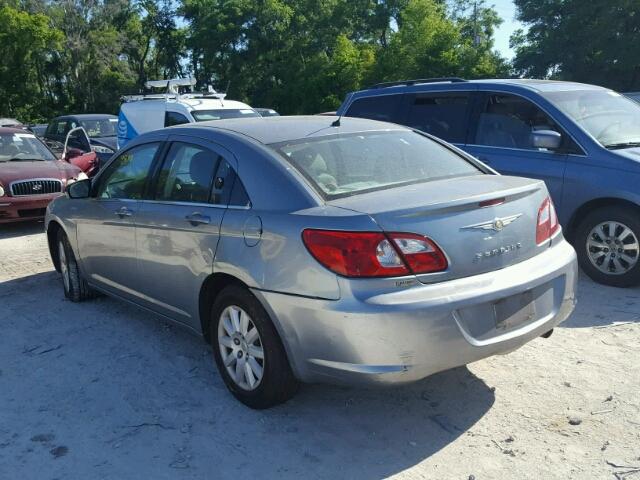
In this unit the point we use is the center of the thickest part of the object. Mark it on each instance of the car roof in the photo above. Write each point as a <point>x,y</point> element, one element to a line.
<point>9,121</point>
<point>435,84</point>
<point>269,130</point>
<point>199,103</point>
<point>541,85</point>
<point>87,116</point>
<point>8,130</point>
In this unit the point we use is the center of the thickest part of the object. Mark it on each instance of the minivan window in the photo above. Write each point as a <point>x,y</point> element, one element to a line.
<point>612,119</point>
<point>174,118</point>
<point>126,176</point>
<point>508,120</point>
<point>441,115</point>
<point>380,107</point>
<point>186,174</point>
<point>206,115</point>
<point>342,165</point>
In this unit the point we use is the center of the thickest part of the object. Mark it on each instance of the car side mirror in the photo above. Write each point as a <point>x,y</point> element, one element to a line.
<point>79,189</point>
<point>548,139</point>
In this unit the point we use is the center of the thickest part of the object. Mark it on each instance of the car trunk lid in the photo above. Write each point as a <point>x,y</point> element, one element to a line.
<point>481,222</point>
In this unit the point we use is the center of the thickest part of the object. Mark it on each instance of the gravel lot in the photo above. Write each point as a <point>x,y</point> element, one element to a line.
<point>104,390</point>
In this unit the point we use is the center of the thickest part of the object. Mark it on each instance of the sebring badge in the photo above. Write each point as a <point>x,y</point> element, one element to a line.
<point>497,224</point>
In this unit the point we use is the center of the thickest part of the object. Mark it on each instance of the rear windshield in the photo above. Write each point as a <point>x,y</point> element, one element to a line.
<point>343,165</point>
<point>206,115</point>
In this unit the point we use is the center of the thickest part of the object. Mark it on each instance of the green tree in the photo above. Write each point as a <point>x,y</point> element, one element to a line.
<point>28,46</point>
<point>592,42</point>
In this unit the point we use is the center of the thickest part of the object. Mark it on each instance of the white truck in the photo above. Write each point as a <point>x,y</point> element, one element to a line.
<point>143,113</point>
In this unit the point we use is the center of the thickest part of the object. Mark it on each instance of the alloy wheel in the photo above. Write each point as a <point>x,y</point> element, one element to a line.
<point>613,248</point>
<point>241,347</point>
<point>64,266</point>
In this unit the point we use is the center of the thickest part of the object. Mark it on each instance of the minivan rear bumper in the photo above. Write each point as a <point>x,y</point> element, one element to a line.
<point>410,333</point>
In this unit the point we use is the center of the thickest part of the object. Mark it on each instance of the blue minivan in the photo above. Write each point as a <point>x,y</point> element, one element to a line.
<point>582,140</point>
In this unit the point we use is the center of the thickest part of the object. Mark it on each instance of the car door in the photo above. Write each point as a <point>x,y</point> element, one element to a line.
<point>106,231</point>
<point>501,137</point>
<point>178,226</point>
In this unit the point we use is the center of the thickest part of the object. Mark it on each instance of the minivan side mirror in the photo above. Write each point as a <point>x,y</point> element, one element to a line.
<point>79,189</point>
<point>548,139</point>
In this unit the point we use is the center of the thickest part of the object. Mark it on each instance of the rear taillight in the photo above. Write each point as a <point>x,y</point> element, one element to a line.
<point>547,224</point>
<point>420,253</point>
<point>374,254</point>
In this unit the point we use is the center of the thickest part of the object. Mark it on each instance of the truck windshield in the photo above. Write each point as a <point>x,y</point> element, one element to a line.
<point>100,128</point>
<point>349,164</point>
<point>206,115</point>
<point>612,119</point>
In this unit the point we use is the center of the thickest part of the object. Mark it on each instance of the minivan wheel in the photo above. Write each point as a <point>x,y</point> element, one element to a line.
<point>75,287</point>
<point>248,351</point>
<point>608,245</point>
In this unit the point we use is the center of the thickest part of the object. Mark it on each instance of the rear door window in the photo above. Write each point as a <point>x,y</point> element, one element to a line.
<point>187,174</point>
<point>442,115</point>
<point>384,108</point>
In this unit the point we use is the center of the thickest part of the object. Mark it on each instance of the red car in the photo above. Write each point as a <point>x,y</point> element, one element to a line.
<point>30,175</point>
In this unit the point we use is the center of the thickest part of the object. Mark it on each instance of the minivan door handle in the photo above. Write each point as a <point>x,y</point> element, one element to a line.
<point>123,212</point>
<point>196,218</point>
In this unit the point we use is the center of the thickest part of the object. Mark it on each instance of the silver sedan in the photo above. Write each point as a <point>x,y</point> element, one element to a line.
<point>318,249</point>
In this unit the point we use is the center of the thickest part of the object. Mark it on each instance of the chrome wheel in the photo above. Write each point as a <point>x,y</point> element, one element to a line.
<point>240,347</point>
<point>64,266</point>
<point>613,248</point>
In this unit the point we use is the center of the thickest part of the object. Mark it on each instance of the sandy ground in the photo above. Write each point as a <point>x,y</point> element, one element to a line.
<point>103,390</point>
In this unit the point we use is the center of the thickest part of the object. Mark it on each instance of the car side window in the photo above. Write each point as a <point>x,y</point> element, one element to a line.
<point>174,118</point>
<point>508,121</point>
<point>126,176</point>
<point>441,115</point>
<point>228,188</point>
<point>187,174</point>
<point>60,127</point>
<point>239,196</point>
<point>381,107</point>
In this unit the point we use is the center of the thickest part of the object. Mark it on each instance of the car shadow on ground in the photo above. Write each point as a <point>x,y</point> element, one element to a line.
<point>21,229</point>
<point>123,394</point>
<point>615,305</point>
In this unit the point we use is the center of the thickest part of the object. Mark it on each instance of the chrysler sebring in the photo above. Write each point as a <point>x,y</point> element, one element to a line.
<point>309,249</point>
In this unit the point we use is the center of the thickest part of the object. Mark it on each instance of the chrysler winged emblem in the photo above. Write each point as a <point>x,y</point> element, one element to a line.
<point>497,224</point>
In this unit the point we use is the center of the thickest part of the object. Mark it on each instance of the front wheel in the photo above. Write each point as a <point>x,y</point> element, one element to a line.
<point>248,350</point>
<point>75,287</point>
<point>608,245</point>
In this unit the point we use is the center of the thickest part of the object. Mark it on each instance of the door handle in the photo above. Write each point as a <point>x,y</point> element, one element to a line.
<point>123,212</point>
<point>197,218</point>
<point>484,159</point>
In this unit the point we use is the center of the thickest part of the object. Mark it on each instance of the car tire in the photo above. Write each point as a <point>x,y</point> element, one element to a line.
<point>257,382</point>
<point>607,242</point>
<point>75,286</point>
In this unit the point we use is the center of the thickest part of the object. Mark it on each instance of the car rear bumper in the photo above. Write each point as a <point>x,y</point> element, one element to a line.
<point>18,209</point>
<point>411,333</point>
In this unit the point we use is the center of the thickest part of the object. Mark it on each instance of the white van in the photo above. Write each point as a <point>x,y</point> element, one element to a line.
<point>143,113</point>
